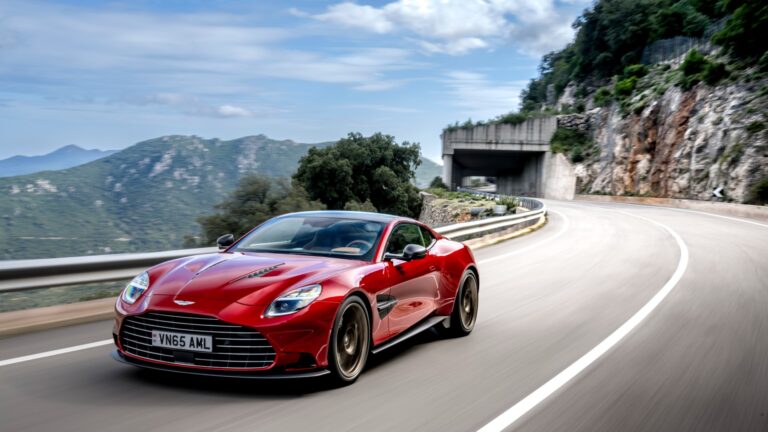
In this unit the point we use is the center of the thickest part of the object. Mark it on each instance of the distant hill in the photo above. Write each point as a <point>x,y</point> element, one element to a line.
<point>65,157</point>
<point>144,198</point>
<point>427,172</point>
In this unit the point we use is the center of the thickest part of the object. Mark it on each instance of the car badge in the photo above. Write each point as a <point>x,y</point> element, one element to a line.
<point>183,302</point>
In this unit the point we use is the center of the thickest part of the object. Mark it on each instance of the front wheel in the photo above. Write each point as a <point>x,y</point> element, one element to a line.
<point>464,314</point>
<point>350,341</point>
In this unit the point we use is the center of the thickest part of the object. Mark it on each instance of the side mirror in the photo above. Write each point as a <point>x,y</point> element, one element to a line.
<point>414,251</point>
<point>225,241</point>
<point>411,252</point>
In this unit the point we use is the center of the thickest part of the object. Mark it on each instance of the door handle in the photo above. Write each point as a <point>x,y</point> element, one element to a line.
<point>432,268</point>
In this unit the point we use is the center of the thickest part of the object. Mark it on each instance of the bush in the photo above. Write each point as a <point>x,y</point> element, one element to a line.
<point>513,118</point>
<point>602,97</point>
<point>573,143</point>
<point>714,72</point>
<point>625,87</point>
<point>437,183</point>
<point>693,64</point>
<point>698,68</point>
<point>635,70</point>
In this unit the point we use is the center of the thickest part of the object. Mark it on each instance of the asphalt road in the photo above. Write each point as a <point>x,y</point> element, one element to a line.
<point>697,361</point>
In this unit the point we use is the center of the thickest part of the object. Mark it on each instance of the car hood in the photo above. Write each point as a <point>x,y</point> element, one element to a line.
<point>244,278</point>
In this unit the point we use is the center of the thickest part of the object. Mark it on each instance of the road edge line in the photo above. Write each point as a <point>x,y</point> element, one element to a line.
<point>516,411</point>
<point>54,352</point>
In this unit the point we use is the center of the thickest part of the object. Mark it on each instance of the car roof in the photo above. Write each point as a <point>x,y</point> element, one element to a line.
<point>359,215</point>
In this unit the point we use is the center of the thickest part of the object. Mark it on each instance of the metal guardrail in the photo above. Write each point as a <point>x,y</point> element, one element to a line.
<point>21,275</point>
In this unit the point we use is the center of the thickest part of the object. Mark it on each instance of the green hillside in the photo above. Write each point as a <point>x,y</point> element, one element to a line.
<point>144,198</point>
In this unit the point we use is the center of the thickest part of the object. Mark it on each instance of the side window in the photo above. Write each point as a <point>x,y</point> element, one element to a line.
<point>427,236</point>
<point>402,236</point>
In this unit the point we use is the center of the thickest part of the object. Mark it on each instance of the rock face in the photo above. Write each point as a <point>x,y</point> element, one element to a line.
<point>682,144</point>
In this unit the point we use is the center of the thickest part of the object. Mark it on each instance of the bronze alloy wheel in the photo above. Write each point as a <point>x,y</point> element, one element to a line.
<point>468,304</point>
<point>351,340</point>
<point>464,314</point>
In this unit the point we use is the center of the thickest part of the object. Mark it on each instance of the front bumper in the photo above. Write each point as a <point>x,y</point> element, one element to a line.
<point>117,355</point>
<point>300,341</point>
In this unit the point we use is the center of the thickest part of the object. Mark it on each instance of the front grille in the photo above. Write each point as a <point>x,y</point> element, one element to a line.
<point>234,346</point>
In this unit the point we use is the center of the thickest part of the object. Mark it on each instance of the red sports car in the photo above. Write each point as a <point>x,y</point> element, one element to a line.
<point>304,294</point>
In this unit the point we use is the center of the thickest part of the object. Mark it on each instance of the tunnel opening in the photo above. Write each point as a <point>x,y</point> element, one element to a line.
<point>515,172</point>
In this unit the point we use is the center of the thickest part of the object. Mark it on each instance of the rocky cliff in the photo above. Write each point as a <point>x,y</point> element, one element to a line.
<point>678,144</point>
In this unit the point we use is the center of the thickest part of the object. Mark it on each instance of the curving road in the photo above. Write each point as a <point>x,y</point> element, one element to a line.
<point>611,317</point>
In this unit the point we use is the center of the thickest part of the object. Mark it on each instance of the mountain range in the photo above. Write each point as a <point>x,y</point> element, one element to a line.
<point>143,198</point>
<point>65,157</point>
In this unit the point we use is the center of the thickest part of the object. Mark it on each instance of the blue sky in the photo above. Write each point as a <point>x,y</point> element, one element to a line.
<point>106,75</point>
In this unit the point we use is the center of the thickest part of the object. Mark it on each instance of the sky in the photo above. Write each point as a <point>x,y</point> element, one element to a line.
<point>107,75</point>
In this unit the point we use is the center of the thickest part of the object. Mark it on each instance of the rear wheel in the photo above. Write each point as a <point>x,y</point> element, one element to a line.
<point>464,313</point>
<point>350,341</point>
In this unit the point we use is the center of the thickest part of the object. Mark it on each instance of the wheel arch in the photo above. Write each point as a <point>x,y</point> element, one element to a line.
<point>473,268</point>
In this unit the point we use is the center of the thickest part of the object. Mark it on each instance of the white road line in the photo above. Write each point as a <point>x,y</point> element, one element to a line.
<point>508,417</point>
<point>565,227</point>
<point>55,352</point>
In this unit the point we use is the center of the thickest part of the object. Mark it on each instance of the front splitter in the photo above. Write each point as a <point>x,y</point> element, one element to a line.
<point>255,375</point>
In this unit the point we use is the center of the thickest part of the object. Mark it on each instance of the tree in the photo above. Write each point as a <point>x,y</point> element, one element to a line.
<point>256,199</point>
<point>359,169</point>
<point>744,33</point>
<point>437,183</point>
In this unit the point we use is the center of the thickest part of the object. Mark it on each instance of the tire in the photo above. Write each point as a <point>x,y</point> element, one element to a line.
<point>464,314</point>
<point>350,341</point>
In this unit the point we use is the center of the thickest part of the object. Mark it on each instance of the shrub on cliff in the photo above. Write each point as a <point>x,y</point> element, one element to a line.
<point>573,143</point>
<point>696,68</point>
<point>625,87</point>
<point>602,97</point>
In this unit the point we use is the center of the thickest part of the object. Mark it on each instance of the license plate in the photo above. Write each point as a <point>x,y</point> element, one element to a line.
<point>182,341</point>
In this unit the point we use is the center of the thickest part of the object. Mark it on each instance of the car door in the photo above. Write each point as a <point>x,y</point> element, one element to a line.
<point>413,283</point>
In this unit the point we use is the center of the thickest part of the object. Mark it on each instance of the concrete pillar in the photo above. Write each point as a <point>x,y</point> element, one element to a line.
<point>559,178</point>
<point>448,170</point>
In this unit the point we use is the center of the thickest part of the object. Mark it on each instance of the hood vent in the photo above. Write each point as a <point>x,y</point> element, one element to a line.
<point>264,271</point>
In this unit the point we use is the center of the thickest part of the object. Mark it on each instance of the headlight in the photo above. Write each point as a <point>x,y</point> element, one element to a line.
<point>136,288</point>
<point>293,301</point>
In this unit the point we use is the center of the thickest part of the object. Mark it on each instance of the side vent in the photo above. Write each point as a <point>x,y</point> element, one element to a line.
<point>384,304</point>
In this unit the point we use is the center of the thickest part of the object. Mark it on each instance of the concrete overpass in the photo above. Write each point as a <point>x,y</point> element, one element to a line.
<point>517,155</point>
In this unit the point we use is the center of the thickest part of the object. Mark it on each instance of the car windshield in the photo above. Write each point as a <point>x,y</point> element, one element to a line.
<point>315,235</point>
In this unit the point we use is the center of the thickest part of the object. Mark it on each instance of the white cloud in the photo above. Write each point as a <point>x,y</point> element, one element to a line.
<point>191,105</point>
<point>233,111</point>
<point>457,47</point>
<point>361,16</point>
<point>460,26</point>
<point>480,98</point>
